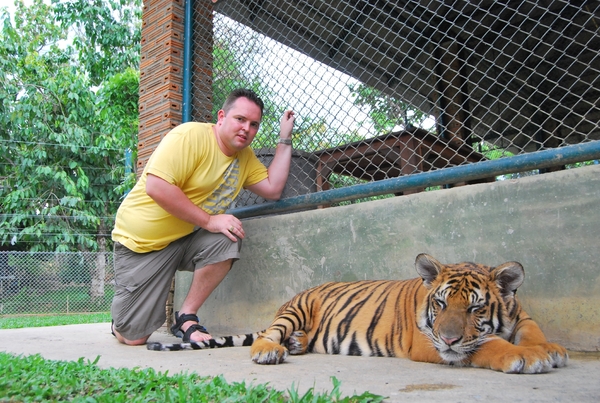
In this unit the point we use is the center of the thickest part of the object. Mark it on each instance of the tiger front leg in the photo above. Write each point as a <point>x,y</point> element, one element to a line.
<point>529,334</point>
<point>288,329</point>
<point>268,348</point>
<point>266,351</point>
<point>500,355</point>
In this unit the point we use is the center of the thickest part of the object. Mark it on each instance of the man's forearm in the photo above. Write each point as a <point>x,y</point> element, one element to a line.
<point>172,199</point>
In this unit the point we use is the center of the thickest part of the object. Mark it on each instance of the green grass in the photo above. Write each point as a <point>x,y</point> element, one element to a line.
<point>34,379</point>
<point>17,322</point>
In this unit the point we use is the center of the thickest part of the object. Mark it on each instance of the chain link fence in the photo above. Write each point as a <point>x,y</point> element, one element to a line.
<point>381,89</point>
<point>55,283</point>
<point>389,88</point>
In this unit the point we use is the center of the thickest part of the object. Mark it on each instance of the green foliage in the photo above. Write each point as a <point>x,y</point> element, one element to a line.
<point>107,34</point>
<point>69,91</point>
<point>33,378</point>
<point>386,112</point>
<point>582,164</point>
<point>492,152</point>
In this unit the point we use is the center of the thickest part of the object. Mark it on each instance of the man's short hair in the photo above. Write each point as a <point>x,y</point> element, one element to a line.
<point>243,93</point>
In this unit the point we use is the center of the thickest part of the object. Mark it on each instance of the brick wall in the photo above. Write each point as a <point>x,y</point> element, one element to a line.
<point>161,68</point>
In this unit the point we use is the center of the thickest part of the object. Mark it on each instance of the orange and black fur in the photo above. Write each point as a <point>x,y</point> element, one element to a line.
<point>458,314</point>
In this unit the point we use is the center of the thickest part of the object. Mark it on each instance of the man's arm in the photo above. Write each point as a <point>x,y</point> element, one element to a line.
<point>279,169</point>
<point>172,199</point>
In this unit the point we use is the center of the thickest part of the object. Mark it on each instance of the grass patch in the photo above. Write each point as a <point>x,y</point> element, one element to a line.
<point>33,378</point>
<point>17,322</point>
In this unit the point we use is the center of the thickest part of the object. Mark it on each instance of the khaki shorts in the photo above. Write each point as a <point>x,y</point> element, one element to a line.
<point>143,280</point>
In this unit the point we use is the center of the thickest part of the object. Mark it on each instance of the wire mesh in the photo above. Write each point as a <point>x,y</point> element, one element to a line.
<point>61,282</point>
<point>389,88</point>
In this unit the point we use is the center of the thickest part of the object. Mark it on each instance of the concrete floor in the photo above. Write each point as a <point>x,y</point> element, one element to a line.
<point>398,379</point>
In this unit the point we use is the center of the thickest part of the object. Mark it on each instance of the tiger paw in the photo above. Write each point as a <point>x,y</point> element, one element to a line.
<point>297,343</point>
<point>264,351</point>
<point>558,354</point>
<point>529,360</point>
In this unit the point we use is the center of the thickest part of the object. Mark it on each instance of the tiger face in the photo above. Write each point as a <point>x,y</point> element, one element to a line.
<point>466,304</point>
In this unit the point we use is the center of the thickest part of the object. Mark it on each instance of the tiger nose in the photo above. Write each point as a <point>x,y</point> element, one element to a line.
<point>449,340</point>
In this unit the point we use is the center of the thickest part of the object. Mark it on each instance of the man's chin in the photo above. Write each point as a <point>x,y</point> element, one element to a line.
<point>240,145</point>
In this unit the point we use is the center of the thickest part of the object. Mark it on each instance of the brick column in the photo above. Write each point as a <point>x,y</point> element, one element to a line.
<point>161,72</point>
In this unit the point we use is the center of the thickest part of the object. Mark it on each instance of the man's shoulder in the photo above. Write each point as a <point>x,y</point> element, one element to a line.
<point>192,127</point>
<point>191,132</point>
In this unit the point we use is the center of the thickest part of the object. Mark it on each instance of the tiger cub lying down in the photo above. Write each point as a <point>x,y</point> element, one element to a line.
<point>457,314</point>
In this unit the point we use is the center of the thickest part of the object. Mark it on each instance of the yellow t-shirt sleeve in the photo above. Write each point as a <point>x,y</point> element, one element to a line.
<point>178,153</point>
<point>256,170</point>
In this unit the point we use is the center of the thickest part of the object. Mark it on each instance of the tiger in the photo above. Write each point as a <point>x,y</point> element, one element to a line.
<point>463,314</point>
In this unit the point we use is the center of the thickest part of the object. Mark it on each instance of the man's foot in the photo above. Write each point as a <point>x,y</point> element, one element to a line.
<point>197,335</point>
<point>187,327</point>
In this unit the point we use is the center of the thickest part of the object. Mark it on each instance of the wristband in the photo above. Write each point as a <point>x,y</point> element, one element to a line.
<point>285,141</point>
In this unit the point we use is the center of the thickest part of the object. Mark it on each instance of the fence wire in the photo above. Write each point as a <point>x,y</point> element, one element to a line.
<point>390,88</point>
<point>61,282</point>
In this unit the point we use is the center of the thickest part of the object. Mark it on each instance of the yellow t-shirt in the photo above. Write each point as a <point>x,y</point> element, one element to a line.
<point>189,157</point>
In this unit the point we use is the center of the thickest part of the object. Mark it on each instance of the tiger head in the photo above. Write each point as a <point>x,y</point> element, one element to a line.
<point>466,304</point>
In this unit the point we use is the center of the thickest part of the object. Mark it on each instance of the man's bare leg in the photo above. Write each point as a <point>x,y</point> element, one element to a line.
<point>204,282</point>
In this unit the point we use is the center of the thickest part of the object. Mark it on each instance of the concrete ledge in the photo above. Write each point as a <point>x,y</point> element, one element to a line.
<point>550,223</point>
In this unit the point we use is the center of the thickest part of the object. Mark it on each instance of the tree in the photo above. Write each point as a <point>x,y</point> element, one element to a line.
<point>68,114</point>
<point>386,112</point>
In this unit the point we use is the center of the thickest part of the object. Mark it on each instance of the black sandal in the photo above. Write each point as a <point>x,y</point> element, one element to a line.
<point>180,320</point>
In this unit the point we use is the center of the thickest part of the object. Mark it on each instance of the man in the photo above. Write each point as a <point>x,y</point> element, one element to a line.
<point>174,218</point>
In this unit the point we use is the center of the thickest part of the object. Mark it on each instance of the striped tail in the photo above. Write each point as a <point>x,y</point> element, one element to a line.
<point>226,341</point>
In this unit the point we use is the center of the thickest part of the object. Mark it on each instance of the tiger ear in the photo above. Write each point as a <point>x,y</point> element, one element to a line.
<point>428,268</point>
<point>508,276</point>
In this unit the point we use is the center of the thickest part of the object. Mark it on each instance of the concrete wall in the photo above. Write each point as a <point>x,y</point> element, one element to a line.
<point>550,223</point>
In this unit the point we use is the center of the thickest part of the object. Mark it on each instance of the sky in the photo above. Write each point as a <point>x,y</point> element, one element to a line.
<point>9,4</point>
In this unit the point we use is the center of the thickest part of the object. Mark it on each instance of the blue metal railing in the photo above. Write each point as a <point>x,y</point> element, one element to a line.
<point>480,170</point>
<point>186,108</point>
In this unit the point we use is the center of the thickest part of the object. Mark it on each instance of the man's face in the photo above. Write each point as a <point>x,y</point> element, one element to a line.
<point>237,128</point>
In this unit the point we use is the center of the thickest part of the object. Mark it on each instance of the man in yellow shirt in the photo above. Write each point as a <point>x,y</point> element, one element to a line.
<point>174,218</point>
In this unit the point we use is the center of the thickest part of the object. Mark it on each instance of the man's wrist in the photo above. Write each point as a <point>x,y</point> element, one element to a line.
<point>285,141</point>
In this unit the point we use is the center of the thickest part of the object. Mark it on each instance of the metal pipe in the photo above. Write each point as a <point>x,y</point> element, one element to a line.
<point>480,170</point>
<point>186,108</point>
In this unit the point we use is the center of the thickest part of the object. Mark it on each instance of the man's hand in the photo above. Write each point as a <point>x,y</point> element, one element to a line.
<point>226,224</point>
<point>172,199</point>
<point>287,124</point>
